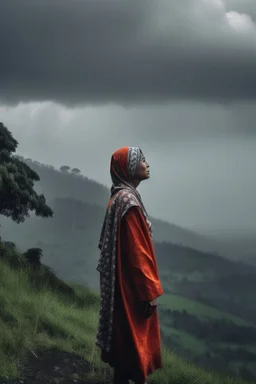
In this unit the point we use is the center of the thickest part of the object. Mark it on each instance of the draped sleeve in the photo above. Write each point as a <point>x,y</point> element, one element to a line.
<point>138,257</point>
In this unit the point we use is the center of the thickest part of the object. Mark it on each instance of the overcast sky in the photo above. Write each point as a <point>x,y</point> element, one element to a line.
<point>78,79</point>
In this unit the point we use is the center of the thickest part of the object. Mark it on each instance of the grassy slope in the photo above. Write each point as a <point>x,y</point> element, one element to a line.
<point>32,320</point>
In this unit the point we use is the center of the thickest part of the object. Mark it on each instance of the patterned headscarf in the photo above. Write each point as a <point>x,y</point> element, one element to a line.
<point>124,163</point>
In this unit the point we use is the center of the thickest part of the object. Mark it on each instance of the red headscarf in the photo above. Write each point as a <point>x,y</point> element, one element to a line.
<point>123,165</point>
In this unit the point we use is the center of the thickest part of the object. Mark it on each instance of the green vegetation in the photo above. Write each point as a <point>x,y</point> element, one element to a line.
<point>17,195</point>
<point>35,319</point>
<point>179,303</point>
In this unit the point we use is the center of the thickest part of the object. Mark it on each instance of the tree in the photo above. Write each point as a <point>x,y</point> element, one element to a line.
<point>76,171</point>
<point>17,195</point>
<point>9,244</point>
<point>33,256</point>
<point>64,168</point>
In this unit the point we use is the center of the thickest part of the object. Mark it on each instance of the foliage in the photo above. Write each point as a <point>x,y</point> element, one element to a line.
<point>17,195</point>
<point>64,168</point>
<point>76,171</point>
<point>33,256</point>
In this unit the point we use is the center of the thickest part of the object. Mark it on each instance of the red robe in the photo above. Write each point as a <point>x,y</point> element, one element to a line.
<point>136,344</point>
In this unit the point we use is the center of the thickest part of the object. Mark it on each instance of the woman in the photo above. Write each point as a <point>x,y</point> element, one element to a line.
<point>128,332</point>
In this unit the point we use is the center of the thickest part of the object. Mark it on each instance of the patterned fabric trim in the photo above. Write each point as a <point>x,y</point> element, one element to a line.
<point>122,202</point>
<point>134,157</point>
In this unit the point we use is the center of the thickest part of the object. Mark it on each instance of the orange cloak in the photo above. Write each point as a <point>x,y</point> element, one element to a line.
<point>136,344</point>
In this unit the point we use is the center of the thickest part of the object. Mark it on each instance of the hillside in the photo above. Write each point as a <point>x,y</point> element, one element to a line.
<point>64,235</point>
<point>48,330</point>
<point>171,233</point>
<point>69,242</point>
<point>180,304</point>
<point>218,282</point>
<point>209,337</point>
<point>241,248</point>
<point>210,279</point>
<point>67,184</point>
<point>206,295</point>
<point>56,184</point>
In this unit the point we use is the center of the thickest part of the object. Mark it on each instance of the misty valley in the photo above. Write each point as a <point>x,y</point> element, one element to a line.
<point>208,311</point>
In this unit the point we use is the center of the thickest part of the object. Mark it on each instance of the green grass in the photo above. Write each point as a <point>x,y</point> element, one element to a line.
<point>33,320</point>
<point>180,303</point>
<point>41,320</point>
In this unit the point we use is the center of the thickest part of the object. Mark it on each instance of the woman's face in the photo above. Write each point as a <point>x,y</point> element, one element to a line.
<point>142,172</point>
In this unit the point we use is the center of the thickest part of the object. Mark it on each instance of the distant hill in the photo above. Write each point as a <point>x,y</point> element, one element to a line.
<point>69,239</point>
<point>56,184</point>
<point>226,285</point>
<point>167,232</point>
<point>239,248</point>
<point>69,242</point>
<point>186,260</point>
<point>250,259</point>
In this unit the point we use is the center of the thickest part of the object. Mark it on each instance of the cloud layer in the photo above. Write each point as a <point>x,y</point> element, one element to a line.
<point>98,51</point>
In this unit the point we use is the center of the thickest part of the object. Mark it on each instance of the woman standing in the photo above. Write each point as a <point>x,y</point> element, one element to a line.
<point>128,332</point>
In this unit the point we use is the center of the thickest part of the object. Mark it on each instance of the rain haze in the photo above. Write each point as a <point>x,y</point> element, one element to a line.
<point>79,79</point>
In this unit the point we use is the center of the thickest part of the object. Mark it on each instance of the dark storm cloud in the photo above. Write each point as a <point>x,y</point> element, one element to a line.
<point>89,51</point>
